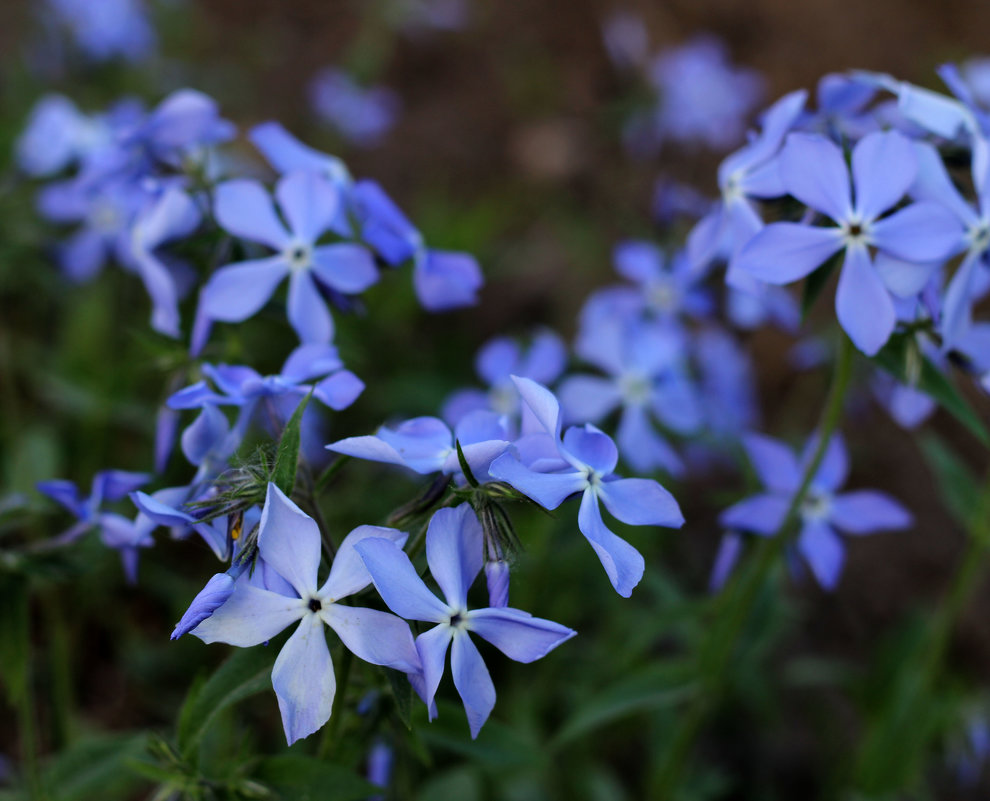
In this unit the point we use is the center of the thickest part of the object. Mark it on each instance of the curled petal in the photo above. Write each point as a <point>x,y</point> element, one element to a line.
<point>623,564</point>
<point>289,541</point>
<point>249,617</point>
<point>517,634</point>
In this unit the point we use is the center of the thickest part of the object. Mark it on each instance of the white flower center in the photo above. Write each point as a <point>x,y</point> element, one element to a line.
<point>503,398</point>
<point>299,256</point>
<point>635,389</point>
<point>978,235</point>
<point>856,232</point>
<point>816,506</point>
<point>662,295</point>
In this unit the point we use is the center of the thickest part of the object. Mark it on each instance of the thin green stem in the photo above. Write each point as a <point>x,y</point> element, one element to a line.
<point>734,606</point>
<point>26,719</point>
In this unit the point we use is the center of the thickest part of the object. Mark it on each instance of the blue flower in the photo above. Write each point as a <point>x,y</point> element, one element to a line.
<point>647,378</point>
<point>454,551</point>
<point>497,361</point>
<point>310,204</point>
<point>814,171</point>
<point>243,386</point>
<point>426,444</point>
<point>303,677</point>
<point>107,29</point>
<point>584,463</point>
<point>823,510</point>
<point>361,115</point>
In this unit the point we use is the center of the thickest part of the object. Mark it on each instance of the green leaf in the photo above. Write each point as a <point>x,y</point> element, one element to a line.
<point>656,687</point>
<point>900,358</point>
<point>402,694</point>
<point>14,635</point>
<point>245,673</point>
<point>498,747</point>
<point>287,457</point>
<point>96,767</point>
<point>957,486</point>
<point>301,778</point>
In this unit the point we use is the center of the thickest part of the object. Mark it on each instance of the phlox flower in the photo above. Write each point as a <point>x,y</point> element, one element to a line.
<point>884,166</point>
<point>498,360</point>
<point>824,512</point>
<point>310,204</point>
<point>427,445</point>
<point>454,552</point>
<point>303,676</point>
<point>647,378</point>
<point>584,462</point>
<point>362,115</point>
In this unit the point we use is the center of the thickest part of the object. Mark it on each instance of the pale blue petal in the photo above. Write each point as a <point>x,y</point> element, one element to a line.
<point>866,511</point>
<point>376,637</point>
<point>784,252</point>
<point>729,551</point>
<point>454,542</point>
<point>588,398</point>
<point>497,360</point>
<point>834,468</point>
<point>348,574</point>
<point>517,634</point>
<point>546,358</point>
<point>884,167</point>
<point>303,680</point>
<point>904,279</point>
<point>432,647</point>
<point>589,446</point>
<point>760,514</point>
<point>237,291</point>
<point>641,502</point>
<point>774,462</point>
<point>547,489</point>
<point>923,231</point>
<point>205,435</point>
<point>642,447</point>
<point>863,304</point>
<point>446,281</point>
<point>214,595</point>
<point>250,616</point>
<point>472,681</point>
<point>309,202</point>
<point>542,403</point>
<point>623,564</point>
<point>638,261</point>
<point>245,209</point>
<point>345,267</point>
<point>933,183</point>
<point>398,582</point>
<point>308,312</point>
<point>815,172</point>
<point>339,390</point>
<point>824,552</point>
<point>289,541</point>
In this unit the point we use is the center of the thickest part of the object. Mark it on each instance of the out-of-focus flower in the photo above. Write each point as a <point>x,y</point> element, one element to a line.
<point>362,115</point>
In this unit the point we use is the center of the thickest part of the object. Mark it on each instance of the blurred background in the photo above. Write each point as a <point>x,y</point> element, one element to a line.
<point>508,130</point>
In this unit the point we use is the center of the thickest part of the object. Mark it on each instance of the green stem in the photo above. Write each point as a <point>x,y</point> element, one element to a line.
<point>734,606</point>
<point>60,666</point>
<point>327,475</point>
<point>26,717</point>
<point>329,738</point>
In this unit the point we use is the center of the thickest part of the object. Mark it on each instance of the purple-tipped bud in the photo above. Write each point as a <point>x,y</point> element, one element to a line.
<point>210,598</point>
<point>497,576</point>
